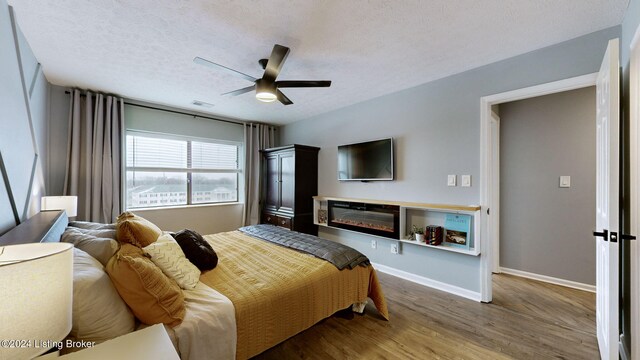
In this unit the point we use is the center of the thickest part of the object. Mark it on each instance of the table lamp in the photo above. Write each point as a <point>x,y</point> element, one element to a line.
<point>35,304</point>
<point>67,203</point>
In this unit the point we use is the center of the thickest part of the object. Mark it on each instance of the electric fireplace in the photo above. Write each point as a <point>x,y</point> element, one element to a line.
<point>375,219</point>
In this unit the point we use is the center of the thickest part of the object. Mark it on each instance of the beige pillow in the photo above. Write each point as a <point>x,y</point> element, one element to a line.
<point>153,297</point>
<point>99,313</point>
<point>101,248</point>
<point>136,230</point>
<point>169,257</point>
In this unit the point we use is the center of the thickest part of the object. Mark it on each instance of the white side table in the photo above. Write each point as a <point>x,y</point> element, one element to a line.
<point>152,343</point>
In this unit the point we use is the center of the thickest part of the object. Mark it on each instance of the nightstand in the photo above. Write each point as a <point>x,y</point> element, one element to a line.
<point>151,343</point>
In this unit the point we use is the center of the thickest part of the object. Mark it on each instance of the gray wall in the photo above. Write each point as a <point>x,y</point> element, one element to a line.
<point>545,229</point>
<point>23,124</point>
<point>437,131</point>
<point>167,122</point>
<point>629,25</point>
<point>59,105</point>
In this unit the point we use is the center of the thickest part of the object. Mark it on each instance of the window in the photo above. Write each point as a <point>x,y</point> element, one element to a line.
<point>169,171</point>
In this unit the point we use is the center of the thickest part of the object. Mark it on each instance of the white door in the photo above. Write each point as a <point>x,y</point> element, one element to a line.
<point>607,170</point>
<point>495,191</point>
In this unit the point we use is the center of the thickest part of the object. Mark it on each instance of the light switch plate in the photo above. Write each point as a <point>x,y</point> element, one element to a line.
<point>466,180</point>
<point>451,180</point>
<point>374,244</point>
<point>565,181</point>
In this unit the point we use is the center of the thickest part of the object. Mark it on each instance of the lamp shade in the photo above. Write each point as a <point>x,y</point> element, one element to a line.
<point>67,203</point>
<point>36,297</point>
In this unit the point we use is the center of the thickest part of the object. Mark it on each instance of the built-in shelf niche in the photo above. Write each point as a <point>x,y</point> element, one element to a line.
<point>420,214</point>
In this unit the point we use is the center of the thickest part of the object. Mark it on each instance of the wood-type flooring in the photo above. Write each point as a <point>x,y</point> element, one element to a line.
<point>527,320</point>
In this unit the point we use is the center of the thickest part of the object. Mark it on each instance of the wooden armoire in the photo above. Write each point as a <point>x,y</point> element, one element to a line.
<point>290,181</point>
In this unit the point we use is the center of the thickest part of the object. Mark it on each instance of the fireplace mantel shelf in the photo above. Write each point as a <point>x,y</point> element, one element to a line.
<point>422,209</point>
<point>404,204</point>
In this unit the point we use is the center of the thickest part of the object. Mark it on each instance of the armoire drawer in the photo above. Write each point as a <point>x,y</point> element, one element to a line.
<point>269,219</point>
<point>283,221</point>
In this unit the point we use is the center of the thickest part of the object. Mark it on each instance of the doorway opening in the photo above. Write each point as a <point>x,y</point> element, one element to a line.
<point>490,170</point>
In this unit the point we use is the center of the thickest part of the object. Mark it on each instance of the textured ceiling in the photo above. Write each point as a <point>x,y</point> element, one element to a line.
<point>143,49</point>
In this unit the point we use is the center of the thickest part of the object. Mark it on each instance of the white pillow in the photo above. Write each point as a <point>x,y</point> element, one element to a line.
<point>99,313</point>
<point>93,242</point>
<point>169,257</point>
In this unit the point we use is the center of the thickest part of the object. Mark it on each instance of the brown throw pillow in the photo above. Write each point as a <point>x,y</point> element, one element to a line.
<point>136,230</point>
<point>196,249</point>
<point>151,295</point>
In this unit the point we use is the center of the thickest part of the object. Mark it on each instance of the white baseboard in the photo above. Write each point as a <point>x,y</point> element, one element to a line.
<point>549,279</point>
<point>452,289</point>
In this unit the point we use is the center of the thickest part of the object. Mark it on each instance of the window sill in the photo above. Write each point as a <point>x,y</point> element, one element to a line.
<point>158,208</point>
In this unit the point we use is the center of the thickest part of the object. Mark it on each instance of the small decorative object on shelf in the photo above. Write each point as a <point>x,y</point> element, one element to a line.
<point>458,231</point>
<point>322,216</point>
<point>433,235</point>
<point>419,233</point>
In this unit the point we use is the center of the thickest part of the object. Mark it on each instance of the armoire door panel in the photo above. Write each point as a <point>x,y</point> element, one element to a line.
<point>272,184</point>
<point>287,185</point>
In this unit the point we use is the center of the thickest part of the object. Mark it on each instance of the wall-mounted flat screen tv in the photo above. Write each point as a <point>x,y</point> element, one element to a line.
<point>366,161</point>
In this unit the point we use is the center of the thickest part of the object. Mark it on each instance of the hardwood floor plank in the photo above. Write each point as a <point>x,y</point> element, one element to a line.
<point>526,320</point>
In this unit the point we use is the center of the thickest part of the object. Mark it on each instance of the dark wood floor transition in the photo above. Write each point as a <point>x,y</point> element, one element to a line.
<point>527,320</point>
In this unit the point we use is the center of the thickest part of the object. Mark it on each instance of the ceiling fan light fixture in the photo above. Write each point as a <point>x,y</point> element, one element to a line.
<point>266,96</point>
<point>265,91</point>
<point>267,88</point>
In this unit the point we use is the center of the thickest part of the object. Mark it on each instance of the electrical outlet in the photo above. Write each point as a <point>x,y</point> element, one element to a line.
<point>394,248</point>
<point>374,244</point>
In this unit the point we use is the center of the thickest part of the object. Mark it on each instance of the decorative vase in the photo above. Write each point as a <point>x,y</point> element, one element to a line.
<point>420,238</point>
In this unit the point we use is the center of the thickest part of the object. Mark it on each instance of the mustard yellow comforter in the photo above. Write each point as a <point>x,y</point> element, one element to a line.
<point>278,292</point>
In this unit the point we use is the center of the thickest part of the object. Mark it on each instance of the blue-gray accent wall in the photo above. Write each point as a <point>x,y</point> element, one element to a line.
<point>23,124</point>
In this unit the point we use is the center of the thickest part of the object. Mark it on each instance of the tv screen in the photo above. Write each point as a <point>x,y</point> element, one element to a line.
<point>371,160</point>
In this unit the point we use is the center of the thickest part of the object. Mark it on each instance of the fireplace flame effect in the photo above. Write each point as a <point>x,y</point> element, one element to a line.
<point>380,227</point>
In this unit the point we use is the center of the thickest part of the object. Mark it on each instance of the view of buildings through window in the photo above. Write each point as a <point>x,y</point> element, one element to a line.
<point>171,171</point>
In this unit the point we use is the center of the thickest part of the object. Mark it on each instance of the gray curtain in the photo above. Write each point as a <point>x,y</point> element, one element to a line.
<point>256,137</point>
<point>93,173</point>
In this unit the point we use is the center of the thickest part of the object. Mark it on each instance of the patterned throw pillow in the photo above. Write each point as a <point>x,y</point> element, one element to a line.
<point>136,230</point>
<point>152,296</point>
<point>169,257</point>
<point>197,249</point>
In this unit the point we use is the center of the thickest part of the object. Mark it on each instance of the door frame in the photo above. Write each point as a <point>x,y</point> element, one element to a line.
<point>634,181</point>
<point>490,186</point>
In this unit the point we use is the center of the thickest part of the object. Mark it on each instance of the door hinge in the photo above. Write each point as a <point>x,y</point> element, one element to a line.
<point>627,237</point>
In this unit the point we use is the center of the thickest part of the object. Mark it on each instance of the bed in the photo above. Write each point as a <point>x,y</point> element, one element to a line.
<point>259,295</point>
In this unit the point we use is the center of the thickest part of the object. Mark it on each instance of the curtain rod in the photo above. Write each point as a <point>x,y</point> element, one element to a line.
<point>177,112</point>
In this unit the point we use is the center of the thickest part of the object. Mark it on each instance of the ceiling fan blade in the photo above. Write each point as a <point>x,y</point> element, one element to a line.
<point>201,61</point>
<point>283,98</point>
<point>239,91</point>
<point>276,60</point>
<point>303,83</point>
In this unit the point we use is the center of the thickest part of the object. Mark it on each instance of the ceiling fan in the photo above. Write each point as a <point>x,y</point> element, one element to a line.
<point>267,88</point>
